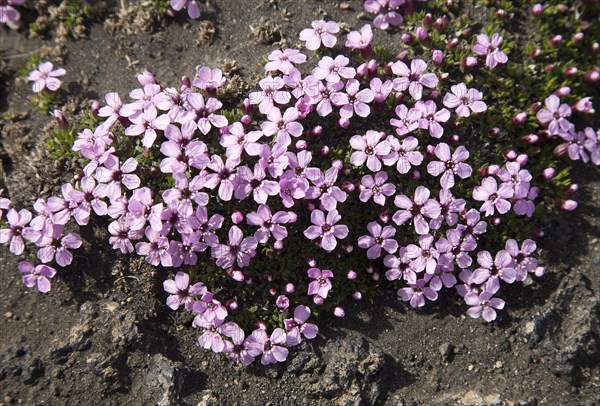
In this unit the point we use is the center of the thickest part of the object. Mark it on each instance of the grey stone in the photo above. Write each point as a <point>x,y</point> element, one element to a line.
<point>208,398</point>
<point>446,351</point>
<point>161,384</point>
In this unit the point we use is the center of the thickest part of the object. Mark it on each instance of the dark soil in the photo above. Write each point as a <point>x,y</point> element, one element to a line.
<point>105,336</point>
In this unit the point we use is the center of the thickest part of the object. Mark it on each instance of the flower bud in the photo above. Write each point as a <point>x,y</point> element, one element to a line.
<point>547,174</point>
<point>521,159</point>
<point>375,276</point>
<point>357,295</point>
<point>237,276</point>
<point>338,311</point>
<point>289,288</point>
<point>146,78</point>
<point>500,13</point>
<point>560,150</point>
<point>338,164</point>
<point>348,186</point>
<point>237,217</point>
<point>454,138</point>
<point>301,145</point>
<point>453,43</point>
<point>510,154</point>
<point>292,217</point>
<point>318,300</point>
<point>312,262</point>
<point>348,247</point>
<point>415,175</point>
<point>283,302</point>
<point>232,305</point>
<point>427,20</point>
<point>549,68</point>
<point>351,275</point>
<point>537,9</point>
<point>468,62</point>
<point>519,118</point>
<point>567,205</point>
<point>95,107</point>
<point>406,38</point>
<point>577,37</point>
<point>62,122</point>
<point>537,232</point>
<point>246,106</point>
<point>401,55</point>
<point>573,187</point>
<point>490,170</point>
<point>384,216</point>
<point>315,132</point>
<point>583,106</point>
<point>539,271</point>
<point>246,120</point>
<point>437,57</point>
<point>387,68</point>
<point>325,150</point>
<point>465,32</point>
<point>557,39</point>
<point>361,71</point>
<point>570,71</point>
<point>530,139</point>
<point>372,66</point>
<point>422,34</point>
<point>594,48</point>
<point>278,245</point>
<point>343,122</point>
<point>494,132</point>
<point>261,325</point>
<point>185,83</point>
<point>591,76</point>
<point>535,53</point>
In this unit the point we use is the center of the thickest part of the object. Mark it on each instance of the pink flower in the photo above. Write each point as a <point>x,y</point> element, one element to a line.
<point>360,40</point>
<point>554,116</point>
<point>464,100</point>
<point>271,347</point>
<point>9,14</point>
<point>209,79</point>
<point>40,276</point>
<point>409,119</point>
<point>413,79</point>
<point>45,77</point>
<point>449,165</point>
<point>381,90</point>
<point>238,249</point>
<point>490,49</point>
<point>270,224</point>
<point>321,32</point>
<point>181,293</point>
<point>192,7</point>
<point>493,269</point>
<point>324,188</point>
<point>386,12</point>
<point>431,118</point>
<point>416,209</point>
<point>284,61</point>
<point>283,126</point>
<point>522,261</point>
<point>58,245</point>
<point>417,292</point>
<point>379,238</point>
<point>332,70</point>
<point>376,188</point>
<point>483,305</point>
<point>403,155</point>
<point>355,101</point>
<point>369,148</point>
<point>147,122</point>
<point>271,93</point>
<point>298,326</point>
<point>321,284</point>
<point>204,113</point>
<point>493,198</point>
<point>17,222</point>
<point>326,228</point>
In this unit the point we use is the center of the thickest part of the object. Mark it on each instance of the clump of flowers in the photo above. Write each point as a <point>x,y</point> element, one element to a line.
<point>319,183</point>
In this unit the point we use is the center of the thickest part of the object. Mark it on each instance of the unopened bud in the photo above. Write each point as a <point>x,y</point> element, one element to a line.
<point>338,311</point>
<point>372,66</point>
<point>301,145</point>
<point>547,174</point>
<point>289,288</point>
<point>231,304</point>
<point>530,139</point>
<point>348,186</point>
<point>535,53</point>
<point>567,205</point>
<point>361,71</point>
<point>422,34</point>
<point>283,302</point>
<point>562,91</point>
<point>351,275</point>
<point>453,43</point>
<point>557,39</point>
<point>343,122</point>
<point>185,83</point>
<point>315,132</point>
<point>583,106</point>
<point>357,296</point>
<point>318,300</point>
<point>62,122</point>
<point>278,245</point>
<point>468,62</point>
<point>570,71</point>
<point>573,187</point>
<point>95,107</point>
<point>406,38</point>
<point>577,37</point>
<point>537,9</point>
<point>146,78</point>
<point>384,216</point>
<point>510,154</point>
<point>519,118</point>
<point>521,159</point>
<point>246,120</point>
<point>592,76</point>
<point>237,217</point>
<point>561,150</point>
<point>427,20</point>
<point>325,150</point>
<point>437,57</point>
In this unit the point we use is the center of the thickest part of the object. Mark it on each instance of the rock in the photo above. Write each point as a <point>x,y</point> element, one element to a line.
<point>10,365</point>
<point>472,398</point>
<point>446,351</point>
<point>161,384</point>
<point>349,375</point>
<point>60,354</point>
<point>208,398</point>
<point>493,399</point>
<point>33,372</point>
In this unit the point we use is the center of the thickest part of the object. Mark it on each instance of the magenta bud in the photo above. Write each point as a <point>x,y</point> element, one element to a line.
<point>351,274</point>
<point>428,20</point>
<point>289,288</point>
<point>361,71</point>
<point>278,245</point>
<point>406,38</point>
<point>521,159</point>
<point>493,132</point>
<point>500,13</point>
<point>325,150</point>
<point>283,302</point>
<point>146,78</point>
<point>372,66</point>
<point>375,276</point>
<point>539,271</point>
<point>465,32</point>
<point>311,262</point>
<point>567,205</point>
<point>535,53</point>
<point>237,217</point>
<point>246,106</point>
<point>519,118</point>
<point>357,296</point>
<point>430,150</point>
<point>454,138</point>
<point>468,62</point>
<point>591,76</point>
<point>491,170</point>
<point>453,43</point>
<point>232,305</point>
<point>338,164</point>
<point>62,122</point>
<point>318,300</point>
<point>573,187</point>
<point>246,120</point>
<point>570,72</point>
<point>595,48</point>
<point>549,68</point>
<point>261,325</point>
<point>561,149</point>
<point>310,206</point>
<point>537,232</point>
<point>185,83</point>
<point>348,247</point>
<point>510,154</point>
<point>577,37</point>
<point>422,34</point>
<point>384,216</point>
<point>338,311</point>
<point>402,55</point>
<point>95,107</point>
<point>535,107</point>
<point>547,174</point>
<point>583,106</point>
<point>301,145</point>
<point>496,220</point>
<point>237,276</point>
<point>315,132</point>
<point>369,269</point>
<point>387,68</point>
<point>437,57</point>
<point>348,186</point>
<point>292,217</point>
<point>415,175</point>
<point>537,9</point>
<point>557,39</point>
